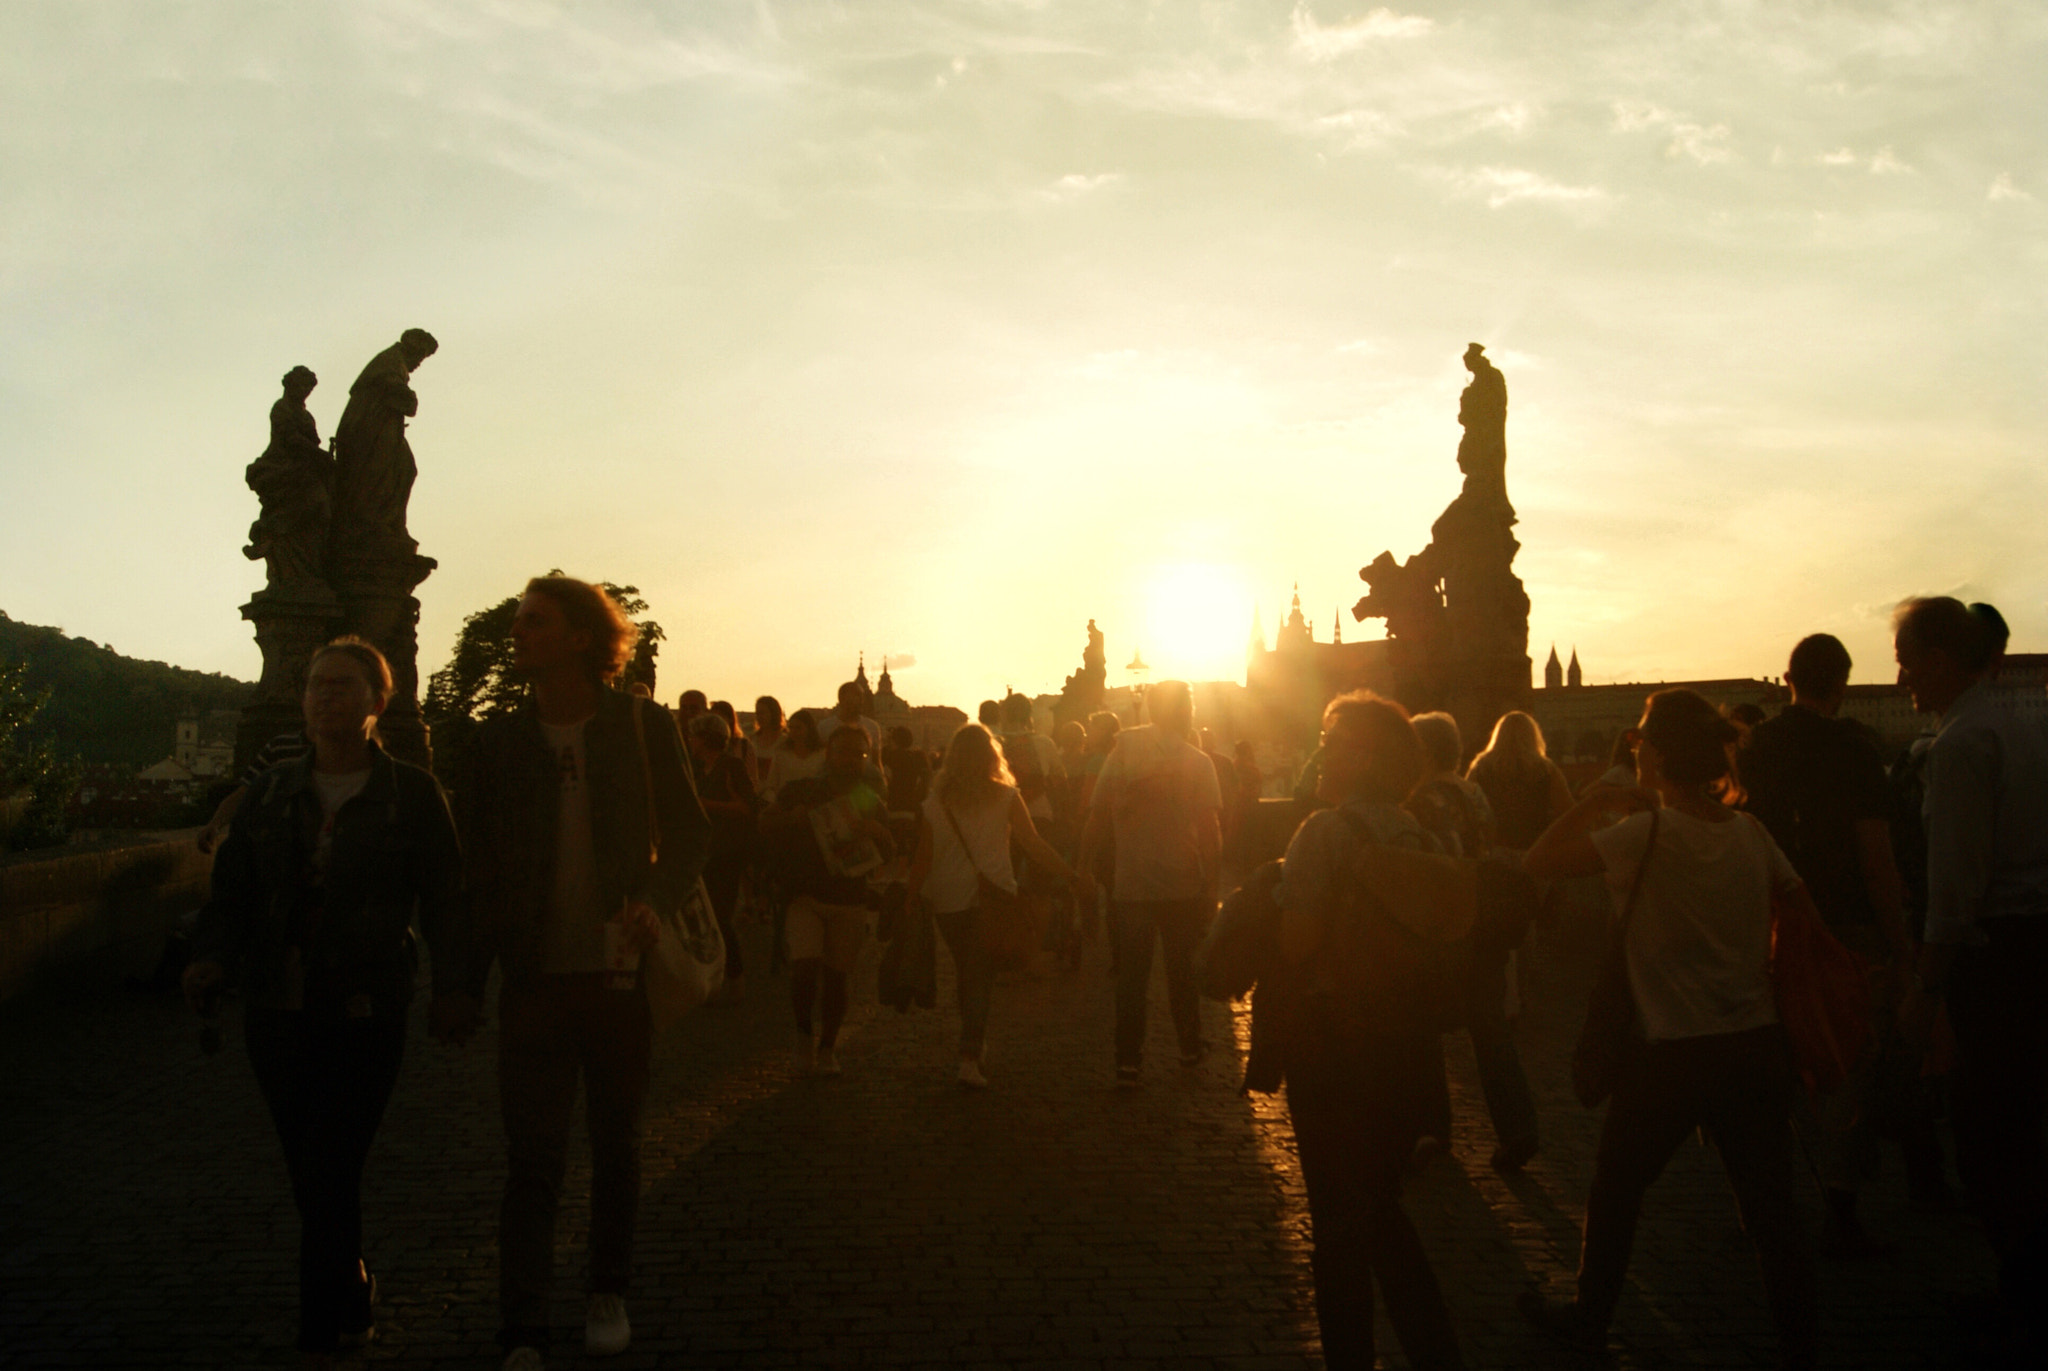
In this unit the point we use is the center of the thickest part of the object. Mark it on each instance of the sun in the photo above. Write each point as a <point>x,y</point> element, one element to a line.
<point>1197,619</point>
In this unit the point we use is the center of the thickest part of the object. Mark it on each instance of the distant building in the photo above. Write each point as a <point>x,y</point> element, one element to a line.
<point>1287,685</point>
<point>205,744</point>
<point>931,726</point>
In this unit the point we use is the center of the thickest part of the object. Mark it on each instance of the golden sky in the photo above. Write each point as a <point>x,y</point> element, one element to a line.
<point>933,331</point>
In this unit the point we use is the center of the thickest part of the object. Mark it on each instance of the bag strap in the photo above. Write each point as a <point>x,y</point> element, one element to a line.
<point>1628,906</point>
<point>647,775</point>
<point>972,860</point>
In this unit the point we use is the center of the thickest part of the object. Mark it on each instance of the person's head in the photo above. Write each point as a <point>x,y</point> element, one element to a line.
<point>973,767</point>
<point>1016,713</point>
<point>639,691</point>
<point>724,710</point>
<point>1516,740</point>
<point>1370,751</point>
<point>299,383</point>
<point>1441,743</point>
<point>1070,738</point>
<point>418,345</point>
<point>1994,624</point>
<point>849,700</point>
<point>846,752</point>
<point>1818,671</point>
<point>1245,753</point>
<point>1103,726</point>
<point>1746,715</point>
<point>803,732</point>
<point>1685,742</point>
<point>1171,705</point>
<point>989,715</point>
<point>566,627</point>
<point>1942,648</point>
<point>709,735</point>
<point>767,714</point>
<point>900,738</point>
<point>689,705</point>
<point>348,683</point>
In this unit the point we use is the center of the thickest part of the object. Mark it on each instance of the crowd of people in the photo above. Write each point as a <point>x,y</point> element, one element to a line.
<point>1399,913</point>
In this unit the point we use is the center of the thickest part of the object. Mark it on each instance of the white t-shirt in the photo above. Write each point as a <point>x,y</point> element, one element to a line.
<point>785,766</point>
<point>335,789</point>
<point>951,886</point>
<point>1158,787</point>
<point>1699,940</point>
<point>572,937</point>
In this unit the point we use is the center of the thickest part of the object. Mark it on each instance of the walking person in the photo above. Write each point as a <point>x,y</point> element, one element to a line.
<point>767,735</point>
<point>1357,1066</point>
<point>1525,789</point>
<point>315,887</point>
<point>799,756</point>
<point>565,805</point>
<point>726,791</point>
<point>1156,799</point>
<point>1695,880</point>
<point>1456,812</point>
<point>1817,783</point>
<point>833,832</point>
<point>965,830</point>
<point>1986,950</point>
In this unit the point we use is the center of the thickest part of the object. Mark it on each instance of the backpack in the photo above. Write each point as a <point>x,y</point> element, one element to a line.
<point>1243,942</point>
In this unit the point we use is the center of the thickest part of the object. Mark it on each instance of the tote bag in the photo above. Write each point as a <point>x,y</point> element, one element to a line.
<point>687,965</point>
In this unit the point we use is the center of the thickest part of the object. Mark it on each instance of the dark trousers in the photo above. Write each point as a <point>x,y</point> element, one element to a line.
<point>1177,925</point>
<point>722,884</point>
<point>327,1079</point>
<point>1354,1114</point>
<point>974,975</point>
<point>1739,1086</point>
<point>1998,1092</point>
<point>553,1029</point>
<point>1501,1079</point>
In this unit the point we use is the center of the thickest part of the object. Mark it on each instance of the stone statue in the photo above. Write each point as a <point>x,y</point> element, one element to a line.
<point>1083,691</point>
<point>1457,615</point>
<point>294,479</point>
<point>374,465</point>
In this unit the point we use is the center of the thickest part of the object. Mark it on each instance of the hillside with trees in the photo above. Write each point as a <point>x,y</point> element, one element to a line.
<point>103,707</point>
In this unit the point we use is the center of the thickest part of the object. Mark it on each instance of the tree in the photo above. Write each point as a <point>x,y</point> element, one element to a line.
<point>479,684</point>
<point>30,771</point>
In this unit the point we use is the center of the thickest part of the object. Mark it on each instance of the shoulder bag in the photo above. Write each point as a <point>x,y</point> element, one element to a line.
<point>1823,994</point>
<point>1613,1033</point>
<point>1007,933</point>
<point>687,965</point>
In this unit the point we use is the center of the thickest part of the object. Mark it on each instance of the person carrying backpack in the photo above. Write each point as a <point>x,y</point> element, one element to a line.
<point>1356,1049</point>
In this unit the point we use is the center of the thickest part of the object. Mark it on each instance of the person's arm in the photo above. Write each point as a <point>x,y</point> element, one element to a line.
<point>685,829</point>
<point>1962,810</point>
<point>1881,879</point>
<point>223,920</point>
<point>444,917</point>
<point>223,815</point>
<point>1306,891</point>
<point>1036,848</point>
<point>1566,848</point>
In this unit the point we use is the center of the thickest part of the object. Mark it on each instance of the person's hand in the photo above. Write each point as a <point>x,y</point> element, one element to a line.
<point>202,984</point>
<point>453,1018</point>
<point>642,926</point>
<point>208,836</point>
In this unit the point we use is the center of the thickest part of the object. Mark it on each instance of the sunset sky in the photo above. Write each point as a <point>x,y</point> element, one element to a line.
<point>933,331</point>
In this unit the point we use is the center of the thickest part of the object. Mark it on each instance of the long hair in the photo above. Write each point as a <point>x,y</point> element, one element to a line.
<point>590,611</point>
<point>1514,751</point>
<point>1394,755</point>
<point>369,660</point>
<point>973,770</point>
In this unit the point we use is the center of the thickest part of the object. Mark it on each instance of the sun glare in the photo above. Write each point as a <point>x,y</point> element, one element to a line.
<point>1198,618</point>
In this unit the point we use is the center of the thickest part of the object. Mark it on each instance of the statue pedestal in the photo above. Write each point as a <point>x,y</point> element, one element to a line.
<point>375,592</point>
<point>292,620</point>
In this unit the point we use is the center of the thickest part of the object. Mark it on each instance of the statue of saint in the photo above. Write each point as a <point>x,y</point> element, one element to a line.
<point>1483,451</point>
<point>293,478</point>
<point>374,466</point>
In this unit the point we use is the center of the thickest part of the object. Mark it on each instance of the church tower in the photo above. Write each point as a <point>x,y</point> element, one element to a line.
<point>1573,677</point>
<point>1553,670</point>
<point>1295,632</point>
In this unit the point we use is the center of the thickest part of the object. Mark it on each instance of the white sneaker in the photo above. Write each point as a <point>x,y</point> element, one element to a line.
<point>828,1062</point>
<point>524,1359</point>
<point>606,1331</point>
<point>970,1074</point>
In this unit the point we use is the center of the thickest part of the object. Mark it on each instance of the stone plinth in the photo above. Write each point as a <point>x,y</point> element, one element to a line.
<point>376,597</point>
<point>292,620</point>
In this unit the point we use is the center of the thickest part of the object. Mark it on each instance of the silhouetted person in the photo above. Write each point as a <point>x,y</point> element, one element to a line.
<point>1525,788</point>
<point>727,794</point>
<point>1156,799</point>
<point>909,772</point>
<point>314,896</point>
<point>1986,951</point>
<point>689,705</point>
<point>1819,786</point>
<point>563,804</point>
<point>847,714</point>
<point>1358,1078</point>
<point>1698,949</point>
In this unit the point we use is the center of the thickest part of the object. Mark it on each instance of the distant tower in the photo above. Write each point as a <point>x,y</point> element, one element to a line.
<point>1337,627</point>
<point>1295,631</point>
<point>1553,670</point>
<point>1258,642</point>
<point>1573,677</point>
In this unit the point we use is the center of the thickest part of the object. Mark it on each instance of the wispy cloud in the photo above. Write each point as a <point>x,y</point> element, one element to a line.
<point>1511,185</point>
<point>1074,185</point>
<point>2002,188</point>
<point>1324,42</point>
<point>1886,163</point>
<point>1705,144</point>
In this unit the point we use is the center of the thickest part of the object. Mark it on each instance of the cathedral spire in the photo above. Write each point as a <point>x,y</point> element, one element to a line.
<point>1553,671</point>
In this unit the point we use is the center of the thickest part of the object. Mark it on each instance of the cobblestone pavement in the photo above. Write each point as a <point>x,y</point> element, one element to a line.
<point>884,1218</point>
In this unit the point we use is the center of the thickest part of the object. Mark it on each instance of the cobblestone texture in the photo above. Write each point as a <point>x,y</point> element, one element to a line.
<point>884,1218</point>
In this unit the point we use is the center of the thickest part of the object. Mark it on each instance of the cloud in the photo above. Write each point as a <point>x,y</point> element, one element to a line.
<point>2002,188</point>
<point>1705,144</point>
<point>1508,185</point>
<point>1321,43</point>
<point>1886,163</point>
<point>1631,116</point>
<point>898,661</point>
<point>1840,157</point>
<point>1074,185</point>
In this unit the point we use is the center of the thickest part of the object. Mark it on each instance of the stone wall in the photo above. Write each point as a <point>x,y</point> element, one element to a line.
<point>116,901</point>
